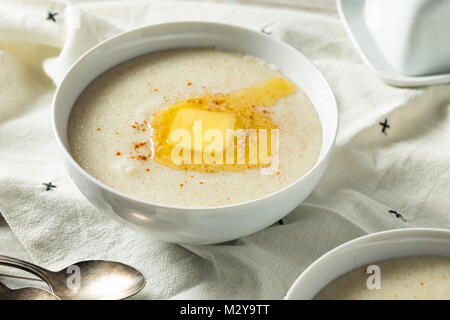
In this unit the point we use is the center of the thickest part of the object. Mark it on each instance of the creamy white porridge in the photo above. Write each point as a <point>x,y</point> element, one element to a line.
<point>110,126</point>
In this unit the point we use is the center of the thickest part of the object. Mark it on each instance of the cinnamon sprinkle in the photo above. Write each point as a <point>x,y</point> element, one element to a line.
<point>141,157</point>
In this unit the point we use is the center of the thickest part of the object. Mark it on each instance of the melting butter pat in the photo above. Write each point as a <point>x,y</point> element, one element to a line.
<point>190,125</point>
<point>243,112</point>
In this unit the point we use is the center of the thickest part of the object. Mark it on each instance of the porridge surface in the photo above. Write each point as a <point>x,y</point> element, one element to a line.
<point>403,278</point>
<point>102,127</point>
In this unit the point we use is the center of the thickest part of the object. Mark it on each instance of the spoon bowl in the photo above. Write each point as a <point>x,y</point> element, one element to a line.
<point>96,280</point>
<point>28,293</point>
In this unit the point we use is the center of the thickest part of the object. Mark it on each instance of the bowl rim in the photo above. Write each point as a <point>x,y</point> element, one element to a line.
<point>67,155</point>
<point>402,232</point>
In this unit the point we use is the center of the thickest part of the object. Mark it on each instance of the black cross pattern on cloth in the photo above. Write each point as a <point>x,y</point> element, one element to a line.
<point>397,215</point>
<point>385,126</point>
<point>51,16</point>
<point>49,186</point>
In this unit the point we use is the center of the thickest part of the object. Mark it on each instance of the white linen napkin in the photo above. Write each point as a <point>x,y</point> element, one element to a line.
<point>377,179</point>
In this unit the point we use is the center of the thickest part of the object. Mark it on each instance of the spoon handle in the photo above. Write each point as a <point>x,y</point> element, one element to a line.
<point>4,275</point>
<point>24,265</point>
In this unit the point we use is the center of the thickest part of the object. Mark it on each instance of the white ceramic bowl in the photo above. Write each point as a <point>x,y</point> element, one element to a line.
<point>206,224</point>
<point>371,248</point>
<point>413,35</point>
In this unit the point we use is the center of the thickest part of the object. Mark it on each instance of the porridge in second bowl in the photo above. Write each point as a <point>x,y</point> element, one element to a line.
<point>141,126</point>
<point>403,278</point>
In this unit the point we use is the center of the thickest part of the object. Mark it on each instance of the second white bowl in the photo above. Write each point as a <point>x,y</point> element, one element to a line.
<point>371,248</point>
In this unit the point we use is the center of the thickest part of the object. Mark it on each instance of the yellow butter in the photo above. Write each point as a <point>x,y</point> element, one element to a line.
<point>184,119</point>
<point>242,112</point>
<point>215,120</point>
<point>187,117</point>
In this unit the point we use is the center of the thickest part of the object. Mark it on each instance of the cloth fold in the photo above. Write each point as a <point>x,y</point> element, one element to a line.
<point>378,179</point>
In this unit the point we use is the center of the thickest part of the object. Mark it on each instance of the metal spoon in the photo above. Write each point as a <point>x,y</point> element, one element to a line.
<point>29,293</point>
<point>87,280</point>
